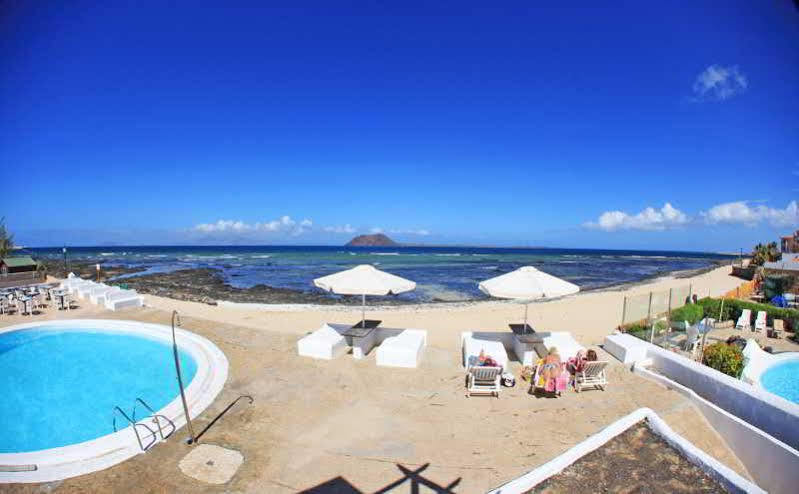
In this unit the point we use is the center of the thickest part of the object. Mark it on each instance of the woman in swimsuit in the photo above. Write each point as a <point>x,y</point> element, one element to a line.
<point>551,368</point>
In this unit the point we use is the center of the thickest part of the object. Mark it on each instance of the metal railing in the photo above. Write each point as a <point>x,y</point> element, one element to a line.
<point>135,424</point>
<point>156,418</point>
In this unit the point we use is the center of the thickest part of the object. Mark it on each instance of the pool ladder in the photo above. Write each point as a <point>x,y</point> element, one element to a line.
<point>156,418</point>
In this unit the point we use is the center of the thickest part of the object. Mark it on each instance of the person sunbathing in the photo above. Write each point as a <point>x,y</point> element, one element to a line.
<point>577,363</point>
<point>551,368</point>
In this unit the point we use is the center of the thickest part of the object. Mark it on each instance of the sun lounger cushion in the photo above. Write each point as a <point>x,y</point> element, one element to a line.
<point>472,345</point>
<point>324,343</point>
<point>403,350</point>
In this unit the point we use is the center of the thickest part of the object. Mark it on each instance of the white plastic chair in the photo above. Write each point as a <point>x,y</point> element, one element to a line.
<point>593,374</point>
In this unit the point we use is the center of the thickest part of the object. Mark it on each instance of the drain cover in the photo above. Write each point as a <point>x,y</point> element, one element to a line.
<point>211,464</point>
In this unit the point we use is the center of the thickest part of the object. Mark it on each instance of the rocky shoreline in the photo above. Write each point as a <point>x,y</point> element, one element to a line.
<point>205,285</point>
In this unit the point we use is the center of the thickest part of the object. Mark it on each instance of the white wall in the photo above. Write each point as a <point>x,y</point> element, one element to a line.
<point>773,465</point>
<point>766,411</point>
<point>728,478</point>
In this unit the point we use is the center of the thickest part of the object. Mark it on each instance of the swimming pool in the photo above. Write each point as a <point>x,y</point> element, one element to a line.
<point>60,382</point>
<point>781,379</point>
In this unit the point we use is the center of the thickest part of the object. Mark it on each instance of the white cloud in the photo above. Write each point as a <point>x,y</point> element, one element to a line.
<point>284,224</point>
<point>648,219</point>
<point>719,83</point>
<point>741,212</point>
<point>340,229</point>
<point>223,226</point>
<point>422,232</point>
<point>376,229</point>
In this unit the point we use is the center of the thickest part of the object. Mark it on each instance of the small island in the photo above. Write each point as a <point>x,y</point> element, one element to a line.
<point>375,240</point>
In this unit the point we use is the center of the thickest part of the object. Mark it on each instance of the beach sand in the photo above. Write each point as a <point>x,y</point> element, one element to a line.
<point>350,426</point>
<point>588,316</point>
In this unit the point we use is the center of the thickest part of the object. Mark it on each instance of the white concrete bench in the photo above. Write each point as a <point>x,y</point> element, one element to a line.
<point>324,343</point>
<point>123,299</point>
<point>471,346</point>
<point>565,343</point>
<point>403,350</point>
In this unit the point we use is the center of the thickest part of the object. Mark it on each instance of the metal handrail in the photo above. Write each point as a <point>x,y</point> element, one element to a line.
<point>155,416</point>
<point>192,437</point>
<point>134,424</point>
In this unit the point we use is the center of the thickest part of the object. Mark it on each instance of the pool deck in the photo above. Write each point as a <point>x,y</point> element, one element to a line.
<point>349,426</point>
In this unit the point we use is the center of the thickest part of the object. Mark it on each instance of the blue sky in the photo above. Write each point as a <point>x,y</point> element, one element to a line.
<point>633,126</point>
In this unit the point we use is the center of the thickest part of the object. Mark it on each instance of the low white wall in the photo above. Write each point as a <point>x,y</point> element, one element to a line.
<point>731,480</point>
<point>772,464</point>
<point>766,411</point>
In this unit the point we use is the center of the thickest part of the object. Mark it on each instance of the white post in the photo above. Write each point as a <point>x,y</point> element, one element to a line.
<point>363,310</point>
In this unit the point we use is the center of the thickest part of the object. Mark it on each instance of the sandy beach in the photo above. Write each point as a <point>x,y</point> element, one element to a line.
<point>589,316</point>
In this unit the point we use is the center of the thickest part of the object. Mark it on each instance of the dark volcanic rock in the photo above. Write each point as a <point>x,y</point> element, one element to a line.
<point>376,240</point>
<point>207,285</point>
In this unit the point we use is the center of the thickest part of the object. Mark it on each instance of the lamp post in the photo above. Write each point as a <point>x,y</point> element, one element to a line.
<point>64,250</point>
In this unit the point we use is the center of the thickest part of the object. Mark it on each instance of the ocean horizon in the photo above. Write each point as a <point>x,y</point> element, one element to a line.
<point>442,273</point>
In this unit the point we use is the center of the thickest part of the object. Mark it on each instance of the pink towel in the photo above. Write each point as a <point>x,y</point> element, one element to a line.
<point>558,384</point>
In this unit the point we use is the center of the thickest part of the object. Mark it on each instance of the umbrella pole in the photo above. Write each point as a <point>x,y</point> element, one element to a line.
<point>363,310</point>
<point>526,306</point>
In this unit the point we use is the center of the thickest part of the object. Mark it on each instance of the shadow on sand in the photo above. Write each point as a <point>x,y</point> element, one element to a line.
<point>413,478</point>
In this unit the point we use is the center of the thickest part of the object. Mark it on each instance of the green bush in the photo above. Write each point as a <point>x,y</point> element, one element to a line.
<point>642,331</point>
<point>734,307</point>
<point>725,358</point>
<point>711,308</point>
<point>690,312</point>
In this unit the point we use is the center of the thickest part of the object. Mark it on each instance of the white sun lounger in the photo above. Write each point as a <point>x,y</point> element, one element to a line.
<point>483,380</point>
<point>760,321</point>
<point>403,350</point>
<point>97,296</point>
<point>745,321</point>
<point>593,374</point>
<point>471,346</point>
<point>324,343</point>
<point>123,299</point>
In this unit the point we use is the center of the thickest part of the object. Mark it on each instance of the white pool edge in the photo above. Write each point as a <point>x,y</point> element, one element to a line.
<point>721,473</point>
<point>106,451</point>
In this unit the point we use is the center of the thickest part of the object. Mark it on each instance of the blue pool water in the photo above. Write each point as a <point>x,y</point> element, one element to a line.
<point>783,380</point>
<point>58,386</point>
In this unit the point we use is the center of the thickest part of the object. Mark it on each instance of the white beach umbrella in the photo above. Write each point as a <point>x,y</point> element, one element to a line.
<point>527,283</point>
<point>364,280</point>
